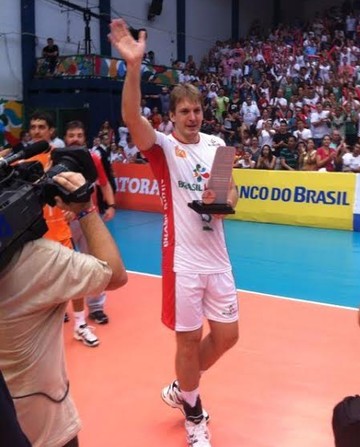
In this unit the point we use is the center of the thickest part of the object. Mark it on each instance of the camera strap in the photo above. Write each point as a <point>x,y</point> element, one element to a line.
<point>41,393</point>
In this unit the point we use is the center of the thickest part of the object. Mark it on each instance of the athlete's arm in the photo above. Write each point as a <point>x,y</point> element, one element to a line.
<point>233,194</point>
<point>231,199</point>
<point>132,51</point>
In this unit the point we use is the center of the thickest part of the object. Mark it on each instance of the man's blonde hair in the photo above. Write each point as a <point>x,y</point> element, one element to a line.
<point>184,91</point>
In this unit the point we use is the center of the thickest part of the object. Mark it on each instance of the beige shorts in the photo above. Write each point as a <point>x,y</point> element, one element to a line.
<point>199,296</point>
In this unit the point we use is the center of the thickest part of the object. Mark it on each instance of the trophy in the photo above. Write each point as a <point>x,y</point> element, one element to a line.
<point>214,199</point>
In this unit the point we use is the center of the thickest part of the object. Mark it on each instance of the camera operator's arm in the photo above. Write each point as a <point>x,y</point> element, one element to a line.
<point>4,152</point>
<point>100,243</point>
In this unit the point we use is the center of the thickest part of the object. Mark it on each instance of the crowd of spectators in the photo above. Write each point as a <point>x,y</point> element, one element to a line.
<point>286,100</point>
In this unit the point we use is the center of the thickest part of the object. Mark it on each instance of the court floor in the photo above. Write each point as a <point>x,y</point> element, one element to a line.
<point>296,358</point>
<point>296,262</point>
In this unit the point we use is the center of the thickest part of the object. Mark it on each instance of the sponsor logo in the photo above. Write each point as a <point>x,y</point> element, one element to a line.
<point>213,142</point>
<point>299,194</point>
<point>190,186</point>
<point>165,237</point>
<point>179,152</point>
<point>230,310</point>
<point>137,185</point>
<point>200,173</point>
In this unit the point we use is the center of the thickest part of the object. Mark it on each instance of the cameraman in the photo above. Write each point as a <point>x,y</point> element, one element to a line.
<point>36,286</point>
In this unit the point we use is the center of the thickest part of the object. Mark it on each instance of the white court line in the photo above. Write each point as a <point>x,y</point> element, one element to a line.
<point>318,303</point>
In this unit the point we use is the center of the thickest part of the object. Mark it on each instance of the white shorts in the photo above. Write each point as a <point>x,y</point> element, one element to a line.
<point>198,296</point>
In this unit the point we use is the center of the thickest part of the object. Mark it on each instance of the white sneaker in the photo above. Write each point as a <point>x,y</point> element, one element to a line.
<point>197,435</point>
<point>84,333</point>
<point>171,395</point>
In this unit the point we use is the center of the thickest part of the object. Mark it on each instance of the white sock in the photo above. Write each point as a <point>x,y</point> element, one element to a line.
<point>190,396</point>
<point>79,319</point>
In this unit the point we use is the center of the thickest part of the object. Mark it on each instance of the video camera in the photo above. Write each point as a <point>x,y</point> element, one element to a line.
<point>25,188</point>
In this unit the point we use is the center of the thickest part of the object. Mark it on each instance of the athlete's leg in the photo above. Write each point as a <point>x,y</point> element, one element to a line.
<point>221,338</point>
<point>187,359</point>
<point>221,310</point>
<point>78,305</point>
<point>82,331</point>
<point>96,303</point>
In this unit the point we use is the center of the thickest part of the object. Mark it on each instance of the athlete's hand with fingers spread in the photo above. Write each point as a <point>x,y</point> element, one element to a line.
<point>130,49</point>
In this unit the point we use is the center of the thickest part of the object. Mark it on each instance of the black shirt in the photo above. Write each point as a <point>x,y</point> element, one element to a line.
<point>51,49</point>
<point>10,430</point>
<point>280,137</point>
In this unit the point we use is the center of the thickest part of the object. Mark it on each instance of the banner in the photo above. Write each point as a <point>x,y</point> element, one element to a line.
<point>313,199</point>
<point>136,187</point>
<point>316,199</point>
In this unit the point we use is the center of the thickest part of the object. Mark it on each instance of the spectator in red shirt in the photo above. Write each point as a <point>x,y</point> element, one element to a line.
<point>325,156</point>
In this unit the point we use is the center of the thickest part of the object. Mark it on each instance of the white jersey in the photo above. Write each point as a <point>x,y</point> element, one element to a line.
<point>191,242</point>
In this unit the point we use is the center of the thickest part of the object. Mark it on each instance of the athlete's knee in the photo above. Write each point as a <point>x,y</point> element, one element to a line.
<point>187,342</point>
<point>231,339</point>
<point>225,337</point>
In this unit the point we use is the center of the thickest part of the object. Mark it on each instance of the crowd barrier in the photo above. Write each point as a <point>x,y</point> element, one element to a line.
<point>315,199</point>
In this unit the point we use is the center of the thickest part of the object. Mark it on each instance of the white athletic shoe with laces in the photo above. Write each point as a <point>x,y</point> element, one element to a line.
<point>85,334</point>
<point>197,435</point>
<point>171,395</point>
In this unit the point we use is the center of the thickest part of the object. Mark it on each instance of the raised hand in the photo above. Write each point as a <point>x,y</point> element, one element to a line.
<point>131,50</point>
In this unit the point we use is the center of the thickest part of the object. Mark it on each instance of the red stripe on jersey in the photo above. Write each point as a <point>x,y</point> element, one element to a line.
<point>168,299</point>
<point>161,172</point>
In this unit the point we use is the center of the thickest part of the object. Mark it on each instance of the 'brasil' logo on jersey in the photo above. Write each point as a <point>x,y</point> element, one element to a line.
<point>200,174</point>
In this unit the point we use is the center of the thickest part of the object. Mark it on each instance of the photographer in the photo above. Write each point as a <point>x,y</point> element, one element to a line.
<point>36,286</point>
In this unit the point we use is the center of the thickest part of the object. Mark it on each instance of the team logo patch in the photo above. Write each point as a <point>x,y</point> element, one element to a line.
<point>213,142</point>
<point>200,173</point>
<point>230,310</point>
<point>180,152</point>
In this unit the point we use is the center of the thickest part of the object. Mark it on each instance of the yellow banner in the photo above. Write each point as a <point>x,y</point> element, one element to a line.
<point>316,199</point>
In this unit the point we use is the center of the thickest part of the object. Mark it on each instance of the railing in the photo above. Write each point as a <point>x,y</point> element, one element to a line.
<point>94,66</point>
